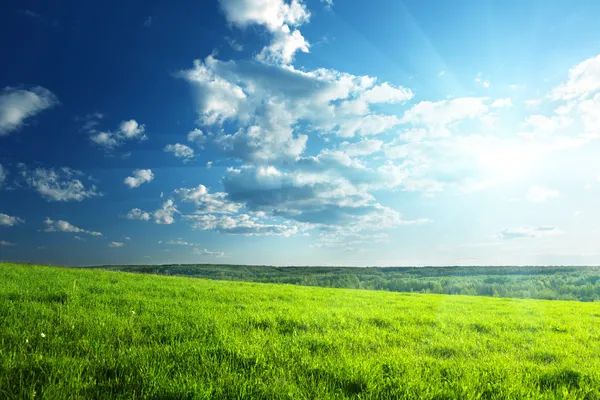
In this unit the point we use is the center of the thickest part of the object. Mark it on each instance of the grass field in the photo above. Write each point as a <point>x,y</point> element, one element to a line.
<point>72,333</point>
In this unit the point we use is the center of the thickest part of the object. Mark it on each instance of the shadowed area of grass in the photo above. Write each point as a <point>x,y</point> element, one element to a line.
<point>72,333</point>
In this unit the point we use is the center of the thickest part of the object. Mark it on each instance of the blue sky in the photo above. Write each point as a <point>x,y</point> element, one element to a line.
<point>300,132</point>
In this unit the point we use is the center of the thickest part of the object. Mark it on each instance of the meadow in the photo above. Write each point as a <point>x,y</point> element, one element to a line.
<point>93,334</point>
<point>549,283</point>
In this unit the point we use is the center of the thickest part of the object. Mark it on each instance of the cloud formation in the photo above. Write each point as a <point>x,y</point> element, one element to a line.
<point>165,215</point>
<point>127,131</point>
<point>62,184</point>
<point>65,226</point>
<point>179,150</point>
<point>279,18</point>
<point>7,220</point>
<point>529,232</point>
<point>18,105</point>
<point>139,177</point>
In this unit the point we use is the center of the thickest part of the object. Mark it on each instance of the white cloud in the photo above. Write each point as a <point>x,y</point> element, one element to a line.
<point>139,177</point>
<point>116,244</point>
<point>362,148</point>
<point>7,220</point>
<point>242,224</point>
<point>17,105</point>
<point>64,184</point>
<point>533,103</point>
<point>274,106</point>
<point>165,214</point>
<point>5,243</point>
<point>148,22</point>
<point>132,130</point>
<point>589,112</point>
<point>270,13</point>
<point>529,232</point>
<point>385,93</point>
<point>127,131</point>
<point>197,137</point>
<point>180,151</point>
<point>501,103</point>
<point>205,252</point>
<point>481,81</point>
<point>540,194</point>
<point>215,203</point>
<point>542,123</point>
<point>328,190</point>
<point>137,214</point>
<point>180,242</point>
<point>584,79</point>
<point>283,47</point>
<point>65,226</point>
<point>275,15</point>
<point>438,115</point>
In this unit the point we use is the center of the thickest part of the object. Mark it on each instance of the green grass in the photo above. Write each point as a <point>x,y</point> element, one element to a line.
<point>129,336</point>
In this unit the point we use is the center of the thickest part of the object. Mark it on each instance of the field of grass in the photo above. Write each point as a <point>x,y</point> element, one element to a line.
<point>74,333</point>
<point>545,283</point>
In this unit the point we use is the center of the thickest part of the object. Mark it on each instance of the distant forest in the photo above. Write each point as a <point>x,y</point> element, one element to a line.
<point>552,283</point>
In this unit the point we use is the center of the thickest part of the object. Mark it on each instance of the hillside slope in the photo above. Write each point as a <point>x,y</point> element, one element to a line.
<point>71,333</point>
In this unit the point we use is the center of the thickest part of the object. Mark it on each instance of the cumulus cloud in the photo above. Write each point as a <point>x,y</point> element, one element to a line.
<point>139,177</point>
<point>116,244</point>
<point>438,115</point>
<point>362,148</point>
<point>65,226</point>
<point>529,232</point>
<point>180,151</point>
<point>63,184</point>
<point>5,243</point>
<point>242,224</point>
<point>540,194</point>
<point>277,16</point>
<point>386,93</point>
<point>7,220</point>
<point>542,123</point>
<point>275,107</point>
<point>215,203</point>
<point>197,137</point>
<point>17,105</point>
<point>328,190</point>
<point>137,214</point>
<point>502,103</point>
<point>584,79</point>
<point>284,45</point>
<point>165,215</point>
<point>127,131</point>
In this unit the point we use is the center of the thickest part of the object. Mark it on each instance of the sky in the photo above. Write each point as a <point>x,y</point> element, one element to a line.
<point>302,132</point>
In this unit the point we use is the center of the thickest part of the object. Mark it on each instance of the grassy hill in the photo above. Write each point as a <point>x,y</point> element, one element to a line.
<point>73,333</point>
<point>546,283</point>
